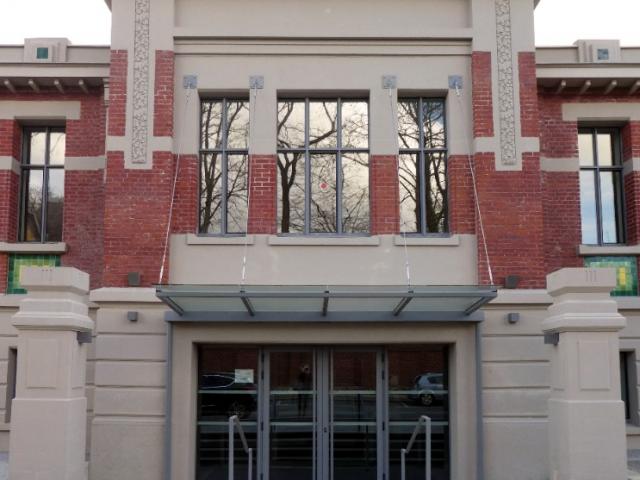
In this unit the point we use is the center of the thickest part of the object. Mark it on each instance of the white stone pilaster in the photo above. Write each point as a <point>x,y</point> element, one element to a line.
<point>49,412</point>
<point>586,414</point>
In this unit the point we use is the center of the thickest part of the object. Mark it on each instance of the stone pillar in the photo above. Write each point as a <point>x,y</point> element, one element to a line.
<point>586,414</point>
<point>49,413</point>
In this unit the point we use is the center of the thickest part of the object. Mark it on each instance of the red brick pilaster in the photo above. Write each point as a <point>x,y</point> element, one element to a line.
<point>529,119</point>
<point>185,207</point>
<point>263,191</point>
<point>385,194</point>
<point>631,150</point>
<point>118,93</point>
<point>482,94</point>
<point>10,141</point>
<point>163,95</point>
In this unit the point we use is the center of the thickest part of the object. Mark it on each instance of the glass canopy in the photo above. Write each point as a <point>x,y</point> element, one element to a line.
<point>346,303</point>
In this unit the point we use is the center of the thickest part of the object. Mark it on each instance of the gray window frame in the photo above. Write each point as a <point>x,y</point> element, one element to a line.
<point>422,153</point>
<point>338,151</point>
<point>616,167</point>
<point>26,166</point>
<point>224,153</point>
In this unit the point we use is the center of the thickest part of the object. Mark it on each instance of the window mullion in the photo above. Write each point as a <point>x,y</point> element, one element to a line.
<point>307,171</point>
<point>224,169</point>
<point>338,157</point>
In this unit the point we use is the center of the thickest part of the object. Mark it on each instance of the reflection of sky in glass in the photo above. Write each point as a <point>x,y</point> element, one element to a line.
<point>37,148</point>
<point>408,131</point>
<point>291,188</point>
<point>409,214</point>
<point>355,193</point>
<point>605,149</point>
<point>608,207</point>
<point>55,203</point>
<point>57,142</point>
<point>322,124</point>
<point>238,125</point>
<point>588,207</point>
<point>291,124</point>
<point>585,149</point>
<point>355,125</point>
<point>237,173</point>
<point>323,193</point>
<point>210,194</point>
<point>211,125</point>
<point>433,113</point>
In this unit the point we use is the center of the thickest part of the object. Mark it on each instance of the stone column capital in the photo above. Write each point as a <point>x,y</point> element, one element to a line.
<point>582,301</point>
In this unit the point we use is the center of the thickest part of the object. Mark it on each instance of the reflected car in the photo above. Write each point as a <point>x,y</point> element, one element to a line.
<point>428,388</point>
<point>231,400</point>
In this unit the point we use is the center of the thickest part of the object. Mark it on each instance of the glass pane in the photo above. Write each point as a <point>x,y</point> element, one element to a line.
<point>322,124</point>
<point>605,149</point>
<point>323,193</point>
<point>354,416</point>
<point>57,142</point>
<point>292,419</point>
<point>37,148</point>
<point>436,201</point>
<point>291,124</point>
<point>434,133</point>
<point>588,211</point>
<point>585,149</point>
<point>55,202</point>
<point>211,193</point>
<point>237,180</point>
<point>32,215</point>
<point>408,131</point>
<point>355,125</point>
<point>238,125</point>
<point>418,386</point>
<point>409,193</point>
<point>291,188</point>
<point>211,125</point>
<point>227,385</point>
<point>355,193</point>
<point>609,194</point>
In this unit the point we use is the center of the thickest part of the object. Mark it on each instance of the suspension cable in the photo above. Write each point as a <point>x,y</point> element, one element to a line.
<point>403,233</point>
<point>175,182</point>
<point>475,186</point>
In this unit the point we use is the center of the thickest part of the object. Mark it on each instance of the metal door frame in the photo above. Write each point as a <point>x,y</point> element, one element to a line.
<point>322,409</point>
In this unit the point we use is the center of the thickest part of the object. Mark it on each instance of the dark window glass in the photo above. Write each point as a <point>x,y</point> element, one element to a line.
<point>42,185</point>
<point>601,196</point>
<point>423,160</point>
<point>224,166</point>
<point>323,166</point>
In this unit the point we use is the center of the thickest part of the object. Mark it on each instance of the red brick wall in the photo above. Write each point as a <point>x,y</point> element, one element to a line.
<point>462,207</point>
<point>482,94</point>
<point>262,184</point>
<point>384,194</point>
<point>630,150</point>
<point>185,207</point>
<point>163,97</point>
<point>136,216</point>
<point>118,93</point>
<point>511,203</point>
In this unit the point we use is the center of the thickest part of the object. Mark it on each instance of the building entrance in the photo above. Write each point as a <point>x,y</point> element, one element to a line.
<point>323,413</point>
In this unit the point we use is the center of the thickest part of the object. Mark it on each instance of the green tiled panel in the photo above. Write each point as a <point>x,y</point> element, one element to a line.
<point>16,262</point>
<point>627,272</point>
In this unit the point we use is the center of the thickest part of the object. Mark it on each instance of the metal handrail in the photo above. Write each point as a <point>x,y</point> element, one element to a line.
<point>427,441</point>
<point>234,422</point>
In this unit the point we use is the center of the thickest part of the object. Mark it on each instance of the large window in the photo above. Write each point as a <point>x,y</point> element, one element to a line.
<point>323,166</point>
<point>423,175</point>
<point>224,166</point>
<point>600,186</point>
<point>42,187</point>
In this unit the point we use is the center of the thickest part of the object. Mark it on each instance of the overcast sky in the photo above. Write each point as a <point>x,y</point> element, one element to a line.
<point>558,22</point>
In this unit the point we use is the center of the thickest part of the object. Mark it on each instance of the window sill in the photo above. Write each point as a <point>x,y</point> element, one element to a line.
<point>427,241</point>
<point>34,248</point>
<point>307,241</point>
<point>588,250</point>
<point>193,239</point>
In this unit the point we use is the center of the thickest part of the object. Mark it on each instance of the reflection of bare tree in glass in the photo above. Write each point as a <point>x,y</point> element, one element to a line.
<point>211,189</point>
<point>411,191</point>
<point>322,143</point>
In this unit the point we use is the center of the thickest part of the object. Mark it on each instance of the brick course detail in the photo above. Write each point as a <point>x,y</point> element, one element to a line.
<point>529,117</point>
<point>263,191</point>
<point>118,93</point>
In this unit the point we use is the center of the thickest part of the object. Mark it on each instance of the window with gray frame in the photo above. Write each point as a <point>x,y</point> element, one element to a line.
<point>42,184</point>
<point>423,165</point>
<point>323,166</point>
<point>601,192</point>
<point>224,166</point>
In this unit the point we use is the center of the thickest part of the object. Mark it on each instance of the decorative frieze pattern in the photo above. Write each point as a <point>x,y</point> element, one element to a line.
<point>140,82</point>
<point>506,89</point>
